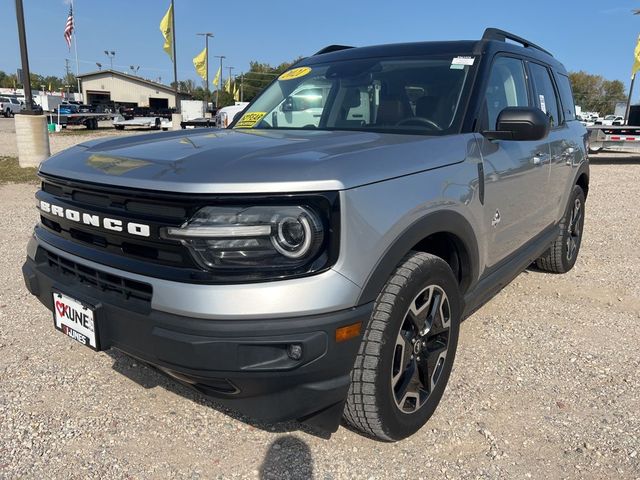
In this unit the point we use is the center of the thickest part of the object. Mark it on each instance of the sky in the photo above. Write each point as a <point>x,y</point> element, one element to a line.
<point>592,35</point>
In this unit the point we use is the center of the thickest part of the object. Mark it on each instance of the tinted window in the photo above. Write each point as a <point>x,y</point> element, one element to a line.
<point>545,96</point>
<point>566,97</point>
<point>507,88</point>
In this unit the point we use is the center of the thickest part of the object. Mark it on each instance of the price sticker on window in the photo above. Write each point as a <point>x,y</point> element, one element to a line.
<point>250,120</point>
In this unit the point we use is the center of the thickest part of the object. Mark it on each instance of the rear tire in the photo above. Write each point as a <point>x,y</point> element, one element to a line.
<point>563,252</point>
<point>119,127</point>
<point>407,350</point>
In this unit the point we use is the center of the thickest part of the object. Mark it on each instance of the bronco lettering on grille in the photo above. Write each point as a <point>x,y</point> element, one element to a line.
<point>113,224</point>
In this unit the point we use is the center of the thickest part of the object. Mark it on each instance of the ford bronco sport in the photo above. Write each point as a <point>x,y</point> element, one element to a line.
<point>315,259</point>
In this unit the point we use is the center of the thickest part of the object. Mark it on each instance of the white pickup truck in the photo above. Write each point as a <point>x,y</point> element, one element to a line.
<point>9,106</point>
<point>226,115</point>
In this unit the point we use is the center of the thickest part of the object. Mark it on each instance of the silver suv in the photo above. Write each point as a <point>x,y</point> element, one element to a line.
<point>315,259</point>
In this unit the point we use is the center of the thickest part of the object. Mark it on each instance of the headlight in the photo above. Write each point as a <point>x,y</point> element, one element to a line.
<point>266,238</point>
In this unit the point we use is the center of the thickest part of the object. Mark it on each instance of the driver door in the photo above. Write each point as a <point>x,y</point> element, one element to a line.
<point>516,172</point>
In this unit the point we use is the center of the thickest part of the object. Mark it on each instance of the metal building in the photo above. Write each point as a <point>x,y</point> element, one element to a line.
<point>106,87</point>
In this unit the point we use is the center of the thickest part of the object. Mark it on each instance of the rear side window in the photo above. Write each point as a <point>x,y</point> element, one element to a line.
<point>507,88</point>
<point>545,96</point>
<point>566,97</point>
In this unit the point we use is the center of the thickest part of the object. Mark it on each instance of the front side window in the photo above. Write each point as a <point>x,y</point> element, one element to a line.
<point>415,95</point>
<point>507,88</point>
<point>545,97</point>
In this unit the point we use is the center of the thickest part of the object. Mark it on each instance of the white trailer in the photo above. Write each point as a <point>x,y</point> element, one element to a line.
<point>155,123</point>
<point>49,103</point>
<point>192,109</point>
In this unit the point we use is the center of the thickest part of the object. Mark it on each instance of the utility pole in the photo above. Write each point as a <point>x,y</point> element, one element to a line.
<point>32,138</point>
<point>206,36</point>
<point>230,78</point>
<point>219,80</point>
<point>24,56</point>
<point>242,87</point>
<point>67,69</point>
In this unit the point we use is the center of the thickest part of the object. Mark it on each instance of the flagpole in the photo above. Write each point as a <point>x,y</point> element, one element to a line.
<point>175,62</point>
<point>75,47</point>
<point>628,110</point>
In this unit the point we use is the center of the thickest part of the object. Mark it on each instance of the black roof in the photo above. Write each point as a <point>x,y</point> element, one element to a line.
<point>493,41</point>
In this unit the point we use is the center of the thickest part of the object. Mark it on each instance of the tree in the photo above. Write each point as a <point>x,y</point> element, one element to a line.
<point>596,94</point>
<point>259,76</point>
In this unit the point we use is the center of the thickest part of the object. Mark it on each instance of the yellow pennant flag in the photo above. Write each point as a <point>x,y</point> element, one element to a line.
<point>165,27</point>
<point>636,59</point>
<point>227,86</point>
<point>216,79</point>
<point>236,93</point>
<point>200,62</point>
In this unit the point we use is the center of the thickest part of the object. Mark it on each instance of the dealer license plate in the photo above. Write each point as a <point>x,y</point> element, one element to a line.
<point>75,320</point>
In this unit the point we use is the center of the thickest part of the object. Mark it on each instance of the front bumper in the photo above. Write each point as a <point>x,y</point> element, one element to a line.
<point>243,363</point>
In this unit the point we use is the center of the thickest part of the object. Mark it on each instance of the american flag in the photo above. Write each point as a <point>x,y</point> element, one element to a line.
<point>68,29</point>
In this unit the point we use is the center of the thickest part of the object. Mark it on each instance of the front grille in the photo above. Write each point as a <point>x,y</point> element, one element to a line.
<point>101,281</point>
<point>140,207</point>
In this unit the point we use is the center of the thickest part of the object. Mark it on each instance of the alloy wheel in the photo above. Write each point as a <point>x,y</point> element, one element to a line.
<point>421,349</point>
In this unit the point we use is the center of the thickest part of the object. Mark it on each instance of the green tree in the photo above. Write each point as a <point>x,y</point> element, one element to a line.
<point>596,94</point>
<point>259,76</point>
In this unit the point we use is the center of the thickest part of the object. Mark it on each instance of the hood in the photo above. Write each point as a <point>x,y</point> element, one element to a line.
<point>254,161</point>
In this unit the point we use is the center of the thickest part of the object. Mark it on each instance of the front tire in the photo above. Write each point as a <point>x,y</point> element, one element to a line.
<point>407,350</point>
<point>563,252</point>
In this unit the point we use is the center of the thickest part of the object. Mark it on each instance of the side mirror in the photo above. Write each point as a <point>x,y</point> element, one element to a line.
<point>520,123</point>
<point>287,106</point>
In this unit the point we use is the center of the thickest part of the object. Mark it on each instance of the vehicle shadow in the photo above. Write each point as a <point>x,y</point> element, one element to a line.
<point>147,376</point>
<point>287,457</point>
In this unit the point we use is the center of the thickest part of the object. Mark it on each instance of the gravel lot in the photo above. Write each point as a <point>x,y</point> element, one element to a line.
<point>546,382</point>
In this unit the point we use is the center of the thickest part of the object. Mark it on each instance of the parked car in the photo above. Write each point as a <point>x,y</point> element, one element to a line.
<point>610,120</point>
<point>321,267</point>
<point>9,106</point>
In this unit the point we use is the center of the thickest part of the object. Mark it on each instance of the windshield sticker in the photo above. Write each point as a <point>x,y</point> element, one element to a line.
<point>295,73</point>
<point>463,61</point>
<point>250,120</point>
<point>543,104</point>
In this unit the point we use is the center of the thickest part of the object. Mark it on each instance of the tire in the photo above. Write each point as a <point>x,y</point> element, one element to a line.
<point>119,127</point>
<point>563,252</point>
<point>594,151</point>
<point>378,404</point>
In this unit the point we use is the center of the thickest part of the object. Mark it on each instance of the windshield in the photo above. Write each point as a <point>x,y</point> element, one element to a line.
<point>397,95</point>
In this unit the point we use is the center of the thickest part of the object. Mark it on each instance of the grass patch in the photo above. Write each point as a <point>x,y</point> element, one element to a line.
<point>10,172</point>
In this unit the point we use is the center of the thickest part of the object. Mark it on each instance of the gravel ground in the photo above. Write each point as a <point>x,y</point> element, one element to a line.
<point>63,140</point>
<point>546,383</point>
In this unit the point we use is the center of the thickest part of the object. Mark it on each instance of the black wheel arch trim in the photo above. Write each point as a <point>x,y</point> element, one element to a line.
<point>583,169</point>
<point>443,221</point>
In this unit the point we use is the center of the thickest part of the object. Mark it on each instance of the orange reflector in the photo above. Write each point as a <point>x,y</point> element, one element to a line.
<point>346,333</point>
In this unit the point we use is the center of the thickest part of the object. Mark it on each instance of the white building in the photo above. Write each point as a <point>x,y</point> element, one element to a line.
<point>105,87</point>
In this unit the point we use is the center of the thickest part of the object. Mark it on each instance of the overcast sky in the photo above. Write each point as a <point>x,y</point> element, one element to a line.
<point>596,36</point>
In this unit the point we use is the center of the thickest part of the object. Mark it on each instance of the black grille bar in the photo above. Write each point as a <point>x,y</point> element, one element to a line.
<point>102,281</point>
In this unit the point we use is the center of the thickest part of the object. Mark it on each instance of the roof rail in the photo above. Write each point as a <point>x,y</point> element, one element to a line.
<point>332,48</point>
<point>503,36</point>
